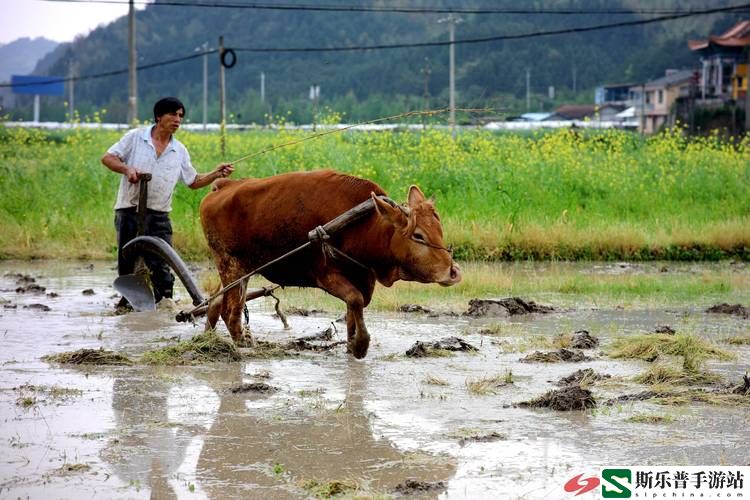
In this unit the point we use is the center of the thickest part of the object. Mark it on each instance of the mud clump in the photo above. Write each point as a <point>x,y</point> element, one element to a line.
<point>511,306</point>
<point>415,487</point>
<point>665,329</point>
<point>37,307</point>
<point>572,397</point>
<point>561,355</point>
<point>414,308</point>
<point>733,309</point>
<point>582,377</point>
<point>21,279</point>
<point>88,291</point>
<point>32,288</point>
<point>320,342</point>
<point>261,387</point>
<point>744,388</point>
<point>315,342</point>
<point>89,357</point>
<point>446,344</point>
<point>485,438</point>
<point>582,339</point>
<point>298,311</point>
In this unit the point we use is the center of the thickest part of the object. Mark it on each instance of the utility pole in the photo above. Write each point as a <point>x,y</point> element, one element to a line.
<point>643,108</point>
<point>222,106</point>
<point>132,76</point>
<point>528,90</point>
<point>426,71</point>
<point>205,85</point>
<point>452,22</point>
<point>71,91</point>
<point>575,82</point>
<point>262,87</point>
<point>747,91</point>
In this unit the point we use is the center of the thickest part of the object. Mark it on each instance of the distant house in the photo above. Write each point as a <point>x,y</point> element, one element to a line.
<point>530,117</point>
<point>724,63</point>
<point>613,94</point>
<point>653,100</point>
<point>606,112</point>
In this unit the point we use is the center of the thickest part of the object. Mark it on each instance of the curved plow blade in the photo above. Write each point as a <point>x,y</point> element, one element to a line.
<point>136,288</point>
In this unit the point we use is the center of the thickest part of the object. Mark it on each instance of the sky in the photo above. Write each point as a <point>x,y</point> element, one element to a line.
<point>56,21</point>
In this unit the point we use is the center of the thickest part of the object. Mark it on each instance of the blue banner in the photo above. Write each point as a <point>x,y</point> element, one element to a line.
<point>38,85</point>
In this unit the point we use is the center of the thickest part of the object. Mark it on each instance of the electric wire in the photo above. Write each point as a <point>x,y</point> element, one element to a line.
<point>535,34</point>
<point>405,10</point>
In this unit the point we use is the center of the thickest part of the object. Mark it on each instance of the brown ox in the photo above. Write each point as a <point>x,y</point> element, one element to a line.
<point>250,222</point>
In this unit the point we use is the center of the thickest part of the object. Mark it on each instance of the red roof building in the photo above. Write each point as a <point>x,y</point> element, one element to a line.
<point>724,62</point>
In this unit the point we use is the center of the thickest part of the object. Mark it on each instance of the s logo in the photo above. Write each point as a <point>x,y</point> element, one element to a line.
<point>616,483</point>
<point>581,485</point>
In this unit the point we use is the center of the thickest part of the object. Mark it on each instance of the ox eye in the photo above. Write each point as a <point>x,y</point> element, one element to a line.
<point>418,237</point>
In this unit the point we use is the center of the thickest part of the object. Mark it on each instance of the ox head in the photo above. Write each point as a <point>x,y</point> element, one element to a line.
<point>417,243</point>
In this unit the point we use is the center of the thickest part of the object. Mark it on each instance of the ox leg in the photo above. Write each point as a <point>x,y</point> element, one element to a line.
<point>358,339</point>
<point>232,302</point>
<point>213,313</point>
<point>231,313</point>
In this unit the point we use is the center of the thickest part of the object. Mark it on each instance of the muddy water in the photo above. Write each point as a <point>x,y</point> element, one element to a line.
<point>138,431</point>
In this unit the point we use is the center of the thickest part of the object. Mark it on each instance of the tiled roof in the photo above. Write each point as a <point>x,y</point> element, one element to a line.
<point>671,79</point>
<point>737,36</point>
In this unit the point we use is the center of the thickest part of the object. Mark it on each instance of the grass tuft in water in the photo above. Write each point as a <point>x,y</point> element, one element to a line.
<point>661,373</point>
<point>328,489</point>
<point>650,347</point>
<point>432,380</point>
<point>645,418</point>
<point>698,396</point>
<point>205,347</point>
<point>88,357</point>
<point>739,340</point>
<point>488,385</point>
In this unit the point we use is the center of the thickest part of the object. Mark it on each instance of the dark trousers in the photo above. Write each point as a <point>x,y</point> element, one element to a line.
<point>157,224</point>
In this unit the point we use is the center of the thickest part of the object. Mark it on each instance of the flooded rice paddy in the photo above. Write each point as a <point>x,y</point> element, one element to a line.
<point>320,423</point>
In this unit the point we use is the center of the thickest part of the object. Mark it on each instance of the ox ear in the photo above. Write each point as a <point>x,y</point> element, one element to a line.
<point>416,196</point>
<point>384,209</point>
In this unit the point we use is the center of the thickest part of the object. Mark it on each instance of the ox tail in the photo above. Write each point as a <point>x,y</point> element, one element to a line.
<point>160,248</point>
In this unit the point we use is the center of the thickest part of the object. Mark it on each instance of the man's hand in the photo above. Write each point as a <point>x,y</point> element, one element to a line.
<point>132,175</point>
<point>224,170</point>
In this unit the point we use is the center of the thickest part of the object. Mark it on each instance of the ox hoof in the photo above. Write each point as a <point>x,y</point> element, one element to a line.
<point>358,348</point>
<point>246,340</point>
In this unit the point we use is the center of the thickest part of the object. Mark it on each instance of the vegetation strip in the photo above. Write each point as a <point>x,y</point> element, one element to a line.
<point>560,194</point>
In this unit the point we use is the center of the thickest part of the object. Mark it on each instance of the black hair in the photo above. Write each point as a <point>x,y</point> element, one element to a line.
<point>167,105</point>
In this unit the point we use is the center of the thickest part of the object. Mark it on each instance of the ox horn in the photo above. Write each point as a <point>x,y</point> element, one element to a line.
<point>161,249</point>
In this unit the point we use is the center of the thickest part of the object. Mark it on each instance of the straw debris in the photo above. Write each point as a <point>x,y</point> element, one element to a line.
<point>202,348</point>
<point>650,347</point>
<point>88,357</point>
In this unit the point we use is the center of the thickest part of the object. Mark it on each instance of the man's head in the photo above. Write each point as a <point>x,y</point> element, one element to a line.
<point>168,105</point>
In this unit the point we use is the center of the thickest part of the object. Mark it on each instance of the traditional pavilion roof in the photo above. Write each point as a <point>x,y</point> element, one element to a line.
<point>737,36</point>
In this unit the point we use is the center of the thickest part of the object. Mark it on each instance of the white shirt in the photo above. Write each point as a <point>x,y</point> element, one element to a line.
<point>136,149</point>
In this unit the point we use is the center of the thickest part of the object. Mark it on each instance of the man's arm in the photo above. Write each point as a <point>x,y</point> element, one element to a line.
<point>221,170</point>
<point>115,164</point>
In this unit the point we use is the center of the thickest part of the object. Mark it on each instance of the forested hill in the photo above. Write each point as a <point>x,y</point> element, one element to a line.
<point>372,83</point>
<point>19,56</point>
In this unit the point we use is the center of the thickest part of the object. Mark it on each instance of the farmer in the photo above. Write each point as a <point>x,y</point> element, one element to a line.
<point>153,149</point>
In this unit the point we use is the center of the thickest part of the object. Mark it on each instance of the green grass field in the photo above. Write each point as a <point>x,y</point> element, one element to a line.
<point>548,195</point>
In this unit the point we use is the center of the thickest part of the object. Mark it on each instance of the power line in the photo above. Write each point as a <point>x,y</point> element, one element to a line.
<point>498,38</point>
<point>399,46</point>
<point>404,10</point>
<point>111,73</point>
